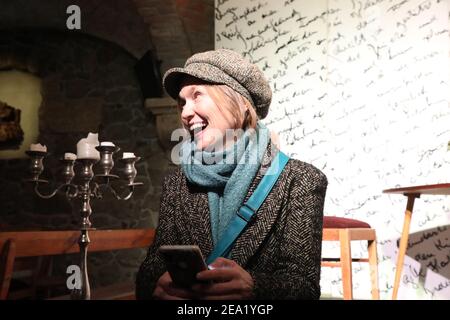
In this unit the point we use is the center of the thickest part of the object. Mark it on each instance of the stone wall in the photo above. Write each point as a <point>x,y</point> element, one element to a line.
<point>88,85</point>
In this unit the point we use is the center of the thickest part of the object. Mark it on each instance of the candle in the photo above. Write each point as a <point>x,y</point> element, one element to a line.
<point>107,144</point>
<point>70,156</point>
<point>86,147</point>
<point>127,155</point>
<point>38,147</point>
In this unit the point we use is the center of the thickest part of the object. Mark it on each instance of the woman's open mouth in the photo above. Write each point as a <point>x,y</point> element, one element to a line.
<point>197,128</point>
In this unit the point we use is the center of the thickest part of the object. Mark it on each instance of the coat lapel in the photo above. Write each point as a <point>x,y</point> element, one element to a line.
<point>195,219</point>
<point>257,230</point>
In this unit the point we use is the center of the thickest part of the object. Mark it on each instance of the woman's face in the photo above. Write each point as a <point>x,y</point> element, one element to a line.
<point>206,122</point>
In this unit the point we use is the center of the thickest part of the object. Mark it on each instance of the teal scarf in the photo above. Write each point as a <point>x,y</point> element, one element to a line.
<point>226,175</point>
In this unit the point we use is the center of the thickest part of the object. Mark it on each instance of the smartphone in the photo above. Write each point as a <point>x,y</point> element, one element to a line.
<point>183,263</point>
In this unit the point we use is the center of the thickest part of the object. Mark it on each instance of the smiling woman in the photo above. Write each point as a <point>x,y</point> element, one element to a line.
<point>259,244</point>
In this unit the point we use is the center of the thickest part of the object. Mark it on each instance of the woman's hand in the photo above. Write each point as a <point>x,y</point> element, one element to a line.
<point>166,290</point>
<point>228,281</point>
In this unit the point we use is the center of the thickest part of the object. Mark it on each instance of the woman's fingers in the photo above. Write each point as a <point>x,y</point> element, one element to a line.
<point>217,275</point>
<point>216,288</point>
<point>160,294</point>
<point>228,281</point>
<point>180,292</point>
<point>223,263</point>
<point>167,290</point>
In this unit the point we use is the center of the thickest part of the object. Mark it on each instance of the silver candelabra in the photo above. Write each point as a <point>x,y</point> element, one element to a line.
<point>91,185</point>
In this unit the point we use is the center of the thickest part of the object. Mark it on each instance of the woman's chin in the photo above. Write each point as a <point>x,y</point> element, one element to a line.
<point>207,143</point>
<point>203,145</point>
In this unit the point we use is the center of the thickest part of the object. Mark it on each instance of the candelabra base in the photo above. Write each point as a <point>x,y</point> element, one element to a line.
<point>107,176</point>
<point>134,184</point>
<point>36,180</point>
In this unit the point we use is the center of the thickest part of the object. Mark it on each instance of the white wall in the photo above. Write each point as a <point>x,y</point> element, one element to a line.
<point>361,92</point>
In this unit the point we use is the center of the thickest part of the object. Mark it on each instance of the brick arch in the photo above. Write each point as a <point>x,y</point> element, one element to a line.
<point>31,53</point>
<point>178,28</point>
<point>115,21</point>
<point>15,59</point>
<point>172,29</point>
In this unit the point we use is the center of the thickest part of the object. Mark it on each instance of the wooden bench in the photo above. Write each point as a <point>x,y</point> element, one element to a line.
<point>21,244</point>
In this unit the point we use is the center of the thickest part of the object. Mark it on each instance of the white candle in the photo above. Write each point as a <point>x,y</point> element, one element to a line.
<point>86,147</point>
<point>70,156</point>
<point>38,147</point>
<point>107,144</point>
<point>127,155</point>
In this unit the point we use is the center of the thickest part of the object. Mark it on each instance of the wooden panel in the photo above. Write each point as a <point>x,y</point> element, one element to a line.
<point>118,291</point>
<point>355,234</point>
<point>330,234</point>
<point>41,243</point>
<point>362,234</point>
<point>46,243</point>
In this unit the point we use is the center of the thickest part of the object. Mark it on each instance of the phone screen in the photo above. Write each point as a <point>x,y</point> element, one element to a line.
<point>183,263</point>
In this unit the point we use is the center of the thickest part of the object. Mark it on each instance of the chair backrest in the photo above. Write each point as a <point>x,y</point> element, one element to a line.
<point>46,243</point>
<point>344,231</point>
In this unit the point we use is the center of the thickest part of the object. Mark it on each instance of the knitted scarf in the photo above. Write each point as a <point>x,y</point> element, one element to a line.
<point>226,175</point>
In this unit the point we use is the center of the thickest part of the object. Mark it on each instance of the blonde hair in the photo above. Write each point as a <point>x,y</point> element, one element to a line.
<point>232,101</point>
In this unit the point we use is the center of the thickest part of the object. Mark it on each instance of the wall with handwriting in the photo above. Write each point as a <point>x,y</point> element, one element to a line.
<point>361,92</point>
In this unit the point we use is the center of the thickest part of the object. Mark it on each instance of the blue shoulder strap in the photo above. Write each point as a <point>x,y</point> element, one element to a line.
<point>248,209</point>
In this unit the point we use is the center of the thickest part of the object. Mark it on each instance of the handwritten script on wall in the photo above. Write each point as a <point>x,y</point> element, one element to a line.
<point>361,92</point>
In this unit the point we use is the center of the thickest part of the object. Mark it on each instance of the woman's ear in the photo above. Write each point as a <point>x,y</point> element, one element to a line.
<point>245,113</point>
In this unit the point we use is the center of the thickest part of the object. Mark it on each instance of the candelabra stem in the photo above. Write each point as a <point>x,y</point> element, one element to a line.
<point>86,210</point>
<point>86,176</point>
<point>85,286</point>
<point>84,291</point>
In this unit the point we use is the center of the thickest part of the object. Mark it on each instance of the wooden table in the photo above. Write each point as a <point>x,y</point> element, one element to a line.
<point>412,193</point>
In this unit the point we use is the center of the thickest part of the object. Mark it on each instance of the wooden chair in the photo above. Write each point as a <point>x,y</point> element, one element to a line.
<point>346,230</point>
<point>47,243</point>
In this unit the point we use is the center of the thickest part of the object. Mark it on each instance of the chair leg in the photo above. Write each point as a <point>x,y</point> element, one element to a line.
<point>373,266</point>
<point>346,263</point>
<point>7,258</point>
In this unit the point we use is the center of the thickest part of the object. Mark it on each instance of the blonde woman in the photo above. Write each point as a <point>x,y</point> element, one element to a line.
<point>221,97</point>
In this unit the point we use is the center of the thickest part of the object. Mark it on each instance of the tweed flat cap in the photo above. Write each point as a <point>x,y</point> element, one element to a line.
<point>226,67</point>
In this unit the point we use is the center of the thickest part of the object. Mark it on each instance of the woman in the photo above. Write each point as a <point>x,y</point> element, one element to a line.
<point>277,256</point>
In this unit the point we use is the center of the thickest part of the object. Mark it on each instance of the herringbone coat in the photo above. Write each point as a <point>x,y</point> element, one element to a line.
<point>281,248</point>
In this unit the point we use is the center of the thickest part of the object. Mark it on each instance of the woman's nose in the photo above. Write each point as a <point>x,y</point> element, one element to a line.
<point>188,112</point>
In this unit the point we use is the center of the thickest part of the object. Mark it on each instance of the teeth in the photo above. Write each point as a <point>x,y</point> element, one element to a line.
<point>196,126</point>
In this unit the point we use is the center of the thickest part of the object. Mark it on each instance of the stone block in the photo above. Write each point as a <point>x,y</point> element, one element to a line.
<point>83,115</point>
